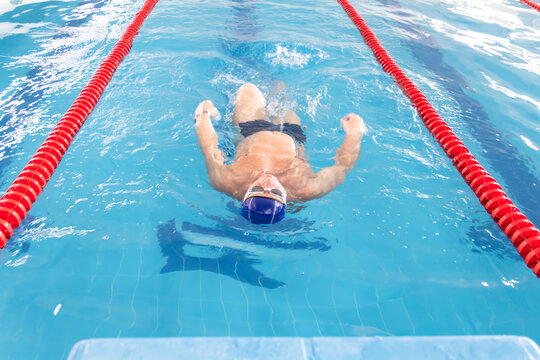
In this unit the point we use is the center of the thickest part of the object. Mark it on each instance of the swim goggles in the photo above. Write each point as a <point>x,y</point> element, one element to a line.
<point>260,190</point>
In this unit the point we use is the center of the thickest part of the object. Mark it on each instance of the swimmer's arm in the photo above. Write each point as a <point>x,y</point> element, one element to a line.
<point>208,142</point>
<point>348,153</point>
<point>331,177</point>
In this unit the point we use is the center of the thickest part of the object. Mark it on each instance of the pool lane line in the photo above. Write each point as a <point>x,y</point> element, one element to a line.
<point>521,231</point>
<point>531,4</point>
<point>513,167</point>
<point>28,96</point>
<point>23,192</point>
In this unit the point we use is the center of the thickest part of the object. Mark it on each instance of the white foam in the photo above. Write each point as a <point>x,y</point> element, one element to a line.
<point>290,58</point>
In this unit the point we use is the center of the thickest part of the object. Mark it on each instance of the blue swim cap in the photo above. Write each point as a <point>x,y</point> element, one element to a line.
<point>261,210</point>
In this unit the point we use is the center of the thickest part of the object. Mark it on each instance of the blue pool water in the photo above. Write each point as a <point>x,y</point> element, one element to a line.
<point>128,239</point>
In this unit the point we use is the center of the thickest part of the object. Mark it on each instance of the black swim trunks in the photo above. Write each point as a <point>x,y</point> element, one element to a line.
<point>293,130</point>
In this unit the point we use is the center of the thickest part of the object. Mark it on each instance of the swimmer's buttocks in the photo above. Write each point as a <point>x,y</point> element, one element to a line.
<point>293,130</point>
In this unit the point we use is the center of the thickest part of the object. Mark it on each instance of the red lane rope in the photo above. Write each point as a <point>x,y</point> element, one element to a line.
<point>523,234</point>
<point>20,196</point>
<point>531,4</point>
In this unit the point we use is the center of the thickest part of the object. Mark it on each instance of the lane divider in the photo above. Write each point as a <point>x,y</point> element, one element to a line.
<point>20,196</point>
<point>522,232</point>
<point>531,4</point>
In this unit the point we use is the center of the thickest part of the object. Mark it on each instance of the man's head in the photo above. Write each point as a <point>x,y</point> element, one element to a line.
<point>265,200</point>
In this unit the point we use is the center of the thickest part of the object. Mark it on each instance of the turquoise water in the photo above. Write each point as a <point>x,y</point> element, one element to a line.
<point>128,239</point>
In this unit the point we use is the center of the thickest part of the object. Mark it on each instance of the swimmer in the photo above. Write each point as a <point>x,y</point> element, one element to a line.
<point>270,168</point>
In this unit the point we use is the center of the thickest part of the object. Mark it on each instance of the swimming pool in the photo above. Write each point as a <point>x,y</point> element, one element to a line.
<point>128,238</point>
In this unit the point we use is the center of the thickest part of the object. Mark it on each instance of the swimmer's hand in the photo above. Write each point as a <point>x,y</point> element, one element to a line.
<point>206,107</point>
<point>354,125</point>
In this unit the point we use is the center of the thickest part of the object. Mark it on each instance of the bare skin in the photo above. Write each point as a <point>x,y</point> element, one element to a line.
<point>274,153</point>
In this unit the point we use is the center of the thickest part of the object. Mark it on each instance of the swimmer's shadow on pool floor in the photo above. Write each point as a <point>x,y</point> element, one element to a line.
<point>235,263</point>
